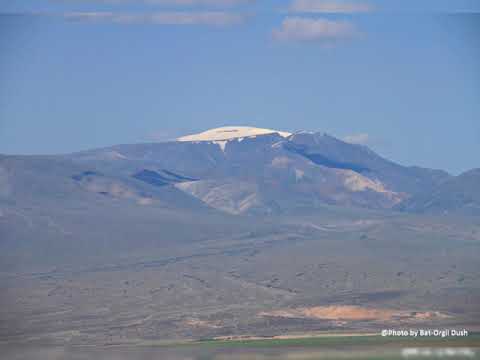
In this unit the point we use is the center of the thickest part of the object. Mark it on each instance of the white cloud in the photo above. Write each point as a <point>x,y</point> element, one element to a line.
<point>218,3</point>
<point>305,29</point>
<point>360,139</point>
<point>212,18</point>
<point>320,6</point>
<point>201,2</point>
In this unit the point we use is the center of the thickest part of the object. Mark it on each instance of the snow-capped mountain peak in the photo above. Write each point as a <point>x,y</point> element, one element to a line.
<point>231,132</point>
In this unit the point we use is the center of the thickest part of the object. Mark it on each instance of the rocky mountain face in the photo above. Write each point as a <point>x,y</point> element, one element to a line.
<point>261,171</point>
<point>239,170</point>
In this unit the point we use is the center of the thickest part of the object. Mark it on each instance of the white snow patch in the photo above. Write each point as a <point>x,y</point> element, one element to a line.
<point>231,132</point>
<point>299,174</point>
<point>304,132</point>
<point>222,144</point>
<point>114,155</point>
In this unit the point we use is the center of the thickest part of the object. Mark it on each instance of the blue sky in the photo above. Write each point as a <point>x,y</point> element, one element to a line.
<point>402,77</point>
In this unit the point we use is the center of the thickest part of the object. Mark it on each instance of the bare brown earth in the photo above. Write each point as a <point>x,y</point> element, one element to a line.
<point>336,271</point>
<point>356,313</point>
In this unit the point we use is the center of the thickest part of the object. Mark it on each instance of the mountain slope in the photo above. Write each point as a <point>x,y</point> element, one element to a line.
<point>250,170</point>
<point>460,194</point>
<point>331,152</point>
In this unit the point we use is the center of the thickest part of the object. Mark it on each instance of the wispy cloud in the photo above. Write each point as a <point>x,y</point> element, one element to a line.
<point>332,6</point>
<point>201,2</point>
<point>210,18</point>
<point>360,139</point>
<point>218,3</point>
<point>306,29</point>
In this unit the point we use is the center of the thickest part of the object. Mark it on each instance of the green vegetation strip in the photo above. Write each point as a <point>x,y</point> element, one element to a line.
<point>361,340</point>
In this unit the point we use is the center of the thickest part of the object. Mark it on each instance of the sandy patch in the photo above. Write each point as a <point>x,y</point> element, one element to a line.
<point>354,313</point>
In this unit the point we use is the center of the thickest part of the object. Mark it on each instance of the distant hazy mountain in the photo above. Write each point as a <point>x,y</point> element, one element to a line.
<point>239,170</point>
<point>251,170</point>
<point>460,194</point>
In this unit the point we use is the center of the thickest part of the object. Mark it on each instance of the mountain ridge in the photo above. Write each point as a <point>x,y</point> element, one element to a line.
<point>262,172</point>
